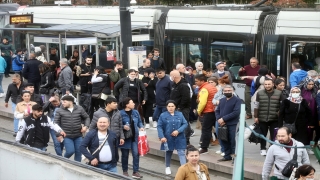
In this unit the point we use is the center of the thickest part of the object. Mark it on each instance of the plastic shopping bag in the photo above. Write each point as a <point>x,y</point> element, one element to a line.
<point>143,145</point>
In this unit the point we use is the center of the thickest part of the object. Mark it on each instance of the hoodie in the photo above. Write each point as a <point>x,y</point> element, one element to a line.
<point>296,76</point>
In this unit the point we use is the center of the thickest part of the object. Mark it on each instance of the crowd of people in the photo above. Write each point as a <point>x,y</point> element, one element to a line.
<point>100,123</point>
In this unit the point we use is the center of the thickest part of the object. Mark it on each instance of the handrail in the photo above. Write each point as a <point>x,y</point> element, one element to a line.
<point>238,170</point>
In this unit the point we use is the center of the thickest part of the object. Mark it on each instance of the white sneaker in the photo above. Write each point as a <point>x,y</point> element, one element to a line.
<point>218,152</point>
<point>263,152</point>
<point>147,126</point>
<point>310,151</point>
<point>155,124</point>
<point>168,170</point>
<point>1,95</point>
<point>222,154</point>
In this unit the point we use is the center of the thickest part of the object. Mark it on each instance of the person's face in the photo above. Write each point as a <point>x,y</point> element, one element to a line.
<point>193,157</point>
<point>119,66</point>
<point>26,97</point>
<point>253,63</point>
<point>130,105</point>
<point>113,105</point>
<point>55,103</point>
<point>268,85</point>
<point>209,74</point>
<point>132,75</point>
<point>76,54</point>
<point>212,83</point>
<point>148,64</point>
<point>182,68</point>
<point>5,41</point>
<point>15,80</point>
<point>156,53</point>
<point>310,85</point>
<point>292,67</point>
<point>146,74</point>
<point>227,90</point>
<point>150,55</point>
<point>66,104</point>
<point>190,71</point>
<point>300,50</point>
<point>220,67</point>
<point>198,82</point>
<point>30,89</point>
<point>171,107</point>
<point>88,60</point>
<point>283,137</point>
<point>53,51</point>
<point>37,114</point>
<point>103,124</point>
<point>160,74</point>
<point>309,176</point>
<point>20,52</point>
<point>200,67</point>
<point>281,86</point>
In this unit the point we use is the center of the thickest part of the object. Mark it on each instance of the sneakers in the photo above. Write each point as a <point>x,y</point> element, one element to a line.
<point>218,152</point>
<point>126,174</point>
<point>263,152</point>
<point>155,124</point>
<point>147,126</point>
<point>136,175</point>
<point>310,151</point>
<point>168,170</point>
<point>1,95</point>
<point>192,133</point>
<point>222,154</point>
<point>203,151</point>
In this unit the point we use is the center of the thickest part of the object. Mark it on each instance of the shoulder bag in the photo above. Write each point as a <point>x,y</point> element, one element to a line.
<point>98,149</point>
<point>293,163</point>
<point>292,126</point>
<point>100,95</point>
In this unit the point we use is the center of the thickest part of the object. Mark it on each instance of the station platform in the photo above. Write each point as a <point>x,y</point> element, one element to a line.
<point>253,161</point>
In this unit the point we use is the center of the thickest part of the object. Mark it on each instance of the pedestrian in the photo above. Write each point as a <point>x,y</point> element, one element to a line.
<point>193,170</point>
<point>157,61</point>
<point>53,56</point>
<point>280,85</point>
<point>266,110</point>
<point>131,87</point>
<point>47,82</point>
<point>131,121</point>
<point>146,63</point>
<point>199,69</point>
<point>180,93</point>
<point>17,62</point>
<point>7,51</point>
<point>118,72</point>
<point>171,126</point>
<point>149,81</point>
<point>73,64</point>
<point>280,156</point>
<point>31,72</point>
<point>3,66</point>
<point>107,156</point>
<point>205,110</point>
<point>297,74</point>
<point>249,71</point>
<point>209,72</point>
<point>305,172</point>
<point>162,92</point>
<point>50,107</point>
<point>14,89</point>
<point>87,70</point>
<point>36,127</point>
<point>70,117</point>
<point>221,71</point>
<point>40,57</point>
<point>113,114</point>
<point>65,77</point>
<point>228,114</point>
<point>34,97</point>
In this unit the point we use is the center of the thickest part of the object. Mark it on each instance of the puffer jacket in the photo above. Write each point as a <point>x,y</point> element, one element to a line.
<point>115,121</point>
<point>71,122</point>
<point>269,105</point>
<point>17,63</point>
<point>124,84</point>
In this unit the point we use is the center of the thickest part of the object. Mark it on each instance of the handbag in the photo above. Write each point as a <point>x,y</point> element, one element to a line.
<point>292,126</point>
<point>100,95</point>
<point>293,163</point>
<point>83,158</point>
<point>223,133</point>
<point>253,138</point>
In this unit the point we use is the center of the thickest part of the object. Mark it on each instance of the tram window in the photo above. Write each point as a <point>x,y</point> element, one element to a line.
<point>187,54</point>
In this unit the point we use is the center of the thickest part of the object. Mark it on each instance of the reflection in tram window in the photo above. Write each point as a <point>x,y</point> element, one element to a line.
<point>305,53</point>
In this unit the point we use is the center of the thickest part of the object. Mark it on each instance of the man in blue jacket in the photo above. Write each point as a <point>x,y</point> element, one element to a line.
<point>297,75</point>
<point>106,155</point>
<point>17,62</point>
<point>228,113</point>
<point>3,65</point>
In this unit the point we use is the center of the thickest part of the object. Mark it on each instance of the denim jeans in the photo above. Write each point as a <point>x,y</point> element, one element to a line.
<point>181,154</point>
<point>72,146</point>
<point>230,145</point>
<point>220,142</point>
<point>58,147</point>
<point>108,167</point>
<point>1,77</point>
<point>135,157</point>
<point>15,120</point>
<point>157,112</point>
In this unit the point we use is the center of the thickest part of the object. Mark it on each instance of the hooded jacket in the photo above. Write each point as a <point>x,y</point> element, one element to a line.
<point>17,63</point>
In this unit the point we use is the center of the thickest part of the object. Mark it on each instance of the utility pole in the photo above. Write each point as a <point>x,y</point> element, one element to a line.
<point>125,30</point>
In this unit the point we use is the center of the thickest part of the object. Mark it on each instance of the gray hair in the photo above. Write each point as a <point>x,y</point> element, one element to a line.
<point>227,86</point>
<point>312,73</point>
<point>197,64</point>
<point>178,66</point>
<point>64,61</point>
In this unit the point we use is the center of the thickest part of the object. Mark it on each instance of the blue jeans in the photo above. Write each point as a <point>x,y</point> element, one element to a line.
<point>108,167</point>
<point>220,142</point>
<point>181,154</point>
<point>1,77</point>
<point>15,120</point>
<point>135,157</point>
<point>58,147</point>
<point>157,112</point>
<point>73,147</point>
<point>230,145</point>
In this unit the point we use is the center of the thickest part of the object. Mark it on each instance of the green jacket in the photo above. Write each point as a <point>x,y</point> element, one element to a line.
<point>269,105</point>
<point>7,49</point>
<point>115,76</point>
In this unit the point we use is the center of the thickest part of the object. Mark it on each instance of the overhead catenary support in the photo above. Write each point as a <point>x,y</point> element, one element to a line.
<point>80,53</point>
<point>28,43</point>
<point>97,54</point>
<point>60,46</point>
<point>47,52</point>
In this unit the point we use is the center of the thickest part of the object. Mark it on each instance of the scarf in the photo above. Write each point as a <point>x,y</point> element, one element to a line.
<point>297,100</point>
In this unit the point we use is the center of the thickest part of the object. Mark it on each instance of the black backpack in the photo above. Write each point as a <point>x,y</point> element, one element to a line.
<point>253,138</point>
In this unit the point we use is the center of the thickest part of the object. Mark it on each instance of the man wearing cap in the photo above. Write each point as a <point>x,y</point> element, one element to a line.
<point>34,97</point>
<point>37,127</point>
<point>65,80</point>
<point>221,71</point>
<point>31,71</point>
<point>146,64</point>
<point>6,52</point>
<point>74,121</point>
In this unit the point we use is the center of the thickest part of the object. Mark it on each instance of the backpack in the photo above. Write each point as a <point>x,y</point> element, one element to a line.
<point>253,138</point>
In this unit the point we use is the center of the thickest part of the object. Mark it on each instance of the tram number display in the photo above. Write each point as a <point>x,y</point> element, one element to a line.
<point>21,19</point>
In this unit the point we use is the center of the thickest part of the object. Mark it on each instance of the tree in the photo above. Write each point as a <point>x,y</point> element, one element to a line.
<point>288,3</point>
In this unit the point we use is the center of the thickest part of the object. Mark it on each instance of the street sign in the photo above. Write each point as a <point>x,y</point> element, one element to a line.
<point>21,19</point>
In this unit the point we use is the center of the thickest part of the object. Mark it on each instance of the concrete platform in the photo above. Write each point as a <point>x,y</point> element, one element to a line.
<point>253,160</point>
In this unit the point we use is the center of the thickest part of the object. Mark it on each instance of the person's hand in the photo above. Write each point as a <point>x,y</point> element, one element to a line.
<point>83,129</point>
<point>121,141</point>
<point>67,92</point>
<point>59,139</point>
<point>194,86</point>
<point>163,140</point>
<point>115,69</point>
<point>241,69</point>
<point>141,129</point>
<point>311,127</point>
<point>63,134</point>
<point>243,77</point>
<point>221,122</point>
<point>217,103</point>
<point>126,127</point>
<point>73,59</point>
<point>144,101</point>
<point>89,82</point>
<point>6,105</point>
<point>145,84</point>
<point>175,133</point>
<point>25,114</point>
<point>2,54</point>
<point>94,162</point>
<point>256,120</point>
<point>52,99</point>
<point>151,76</point>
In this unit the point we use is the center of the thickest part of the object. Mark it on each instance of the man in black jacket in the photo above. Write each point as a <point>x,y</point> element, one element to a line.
<point>34,97</point>
<point>70,118</point>
<point>157,61</point>
<point>31,72</point>
<point>180,93</point>
<point>54,56</point>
